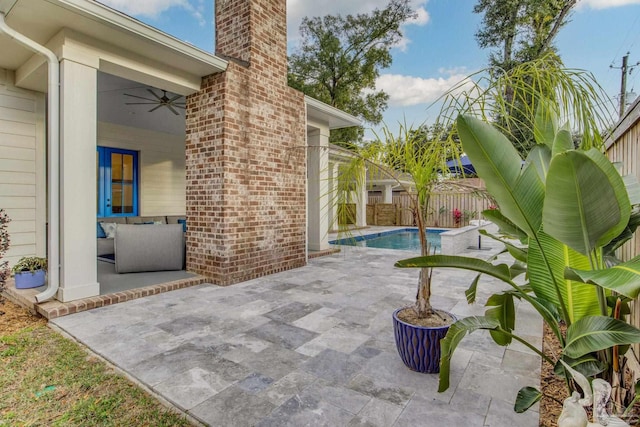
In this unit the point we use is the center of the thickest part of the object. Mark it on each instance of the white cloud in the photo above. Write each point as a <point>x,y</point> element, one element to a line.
<point>405,91</point>
<point>604,4</point>
<point>154,8</point>
<point>422,17</point>
<point>298,9</point>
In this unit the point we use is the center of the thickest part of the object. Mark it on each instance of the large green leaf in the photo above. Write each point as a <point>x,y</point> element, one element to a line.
<point>620,189</point>
<point>450,342</point>
<point>623,278</point>
<point>497,162</point>
<point>593,333</point>
<point>500,271</point>
<point>503,310</point>
<point>563,142</point>
<point>526,398</point>
<point>504,225</point>
<point>633,188</point>
<point>588,365</point>
<point>582,207</point>
<point>547,260</point>
<point>540,157</point>
<point>518,252</point>
<point>472,291</point>
<point>545,123</point>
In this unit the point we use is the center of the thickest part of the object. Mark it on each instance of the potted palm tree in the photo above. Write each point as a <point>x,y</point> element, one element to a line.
<point>30,272</point>
<point>415,160</point>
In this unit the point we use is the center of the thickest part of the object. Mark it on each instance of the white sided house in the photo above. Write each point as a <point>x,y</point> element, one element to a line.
<point>103,116</point>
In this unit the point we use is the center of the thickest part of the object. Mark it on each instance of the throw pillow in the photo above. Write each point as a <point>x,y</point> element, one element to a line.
<point>184,224</point>
<point>100,231</point>
<point>109,229</point>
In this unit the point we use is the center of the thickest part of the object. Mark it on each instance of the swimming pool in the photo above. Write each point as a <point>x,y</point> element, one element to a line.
<point>406,239</point>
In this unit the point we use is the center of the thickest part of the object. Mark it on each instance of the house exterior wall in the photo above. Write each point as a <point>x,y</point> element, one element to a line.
<point>245,151</point>
<point>22,168</point>
<point>161,164</point>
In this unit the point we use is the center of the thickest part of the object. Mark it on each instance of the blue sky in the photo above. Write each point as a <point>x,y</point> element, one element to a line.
<point>439,47</point>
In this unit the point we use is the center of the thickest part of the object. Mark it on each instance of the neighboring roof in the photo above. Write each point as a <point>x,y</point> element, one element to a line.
<point>630,117</point>
<point>40,20</point>
<point>336,119</point>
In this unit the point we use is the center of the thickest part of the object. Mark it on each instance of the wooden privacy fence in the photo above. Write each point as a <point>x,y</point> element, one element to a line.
<point>441,213</point>
<point>623,146</point>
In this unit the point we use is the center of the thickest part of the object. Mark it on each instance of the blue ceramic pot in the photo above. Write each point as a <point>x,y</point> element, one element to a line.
<point>419,346</point>
<point>27,279</point>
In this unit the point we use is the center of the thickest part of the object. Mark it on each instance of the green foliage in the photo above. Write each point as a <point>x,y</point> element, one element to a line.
<point>413,159</point>
<point>340,58</point>
<point>565,205</point>
<point>511,98</point>
<point>523,30</point>
<point>30,263</point>
<point>47,380</point>
<point>527,397</point>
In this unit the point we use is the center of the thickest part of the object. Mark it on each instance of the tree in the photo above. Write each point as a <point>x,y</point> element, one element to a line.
<point>523,30</point>
<point>340,58</point>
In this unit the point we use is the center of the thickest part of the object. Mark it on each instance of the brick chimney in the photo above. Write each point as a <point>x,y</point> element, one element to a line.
<point>254,32</point>
<point>245,152</point>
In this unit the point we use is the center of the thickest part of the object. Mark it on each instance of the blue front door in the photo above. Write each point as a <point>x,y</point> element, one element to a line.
<point>117,181</point>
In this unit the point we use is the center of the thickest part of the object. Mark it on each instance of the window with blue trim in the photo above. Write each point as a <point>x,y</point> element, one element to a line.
<point>117,182</point>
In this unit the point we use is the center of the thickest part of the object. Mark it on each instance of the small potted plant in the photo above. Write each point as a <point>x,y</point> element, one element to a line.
<point>29,272</point>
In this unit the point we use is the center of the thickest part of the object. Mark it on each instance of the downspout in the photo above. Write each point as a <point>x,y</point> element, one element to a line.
<point>53,136</point>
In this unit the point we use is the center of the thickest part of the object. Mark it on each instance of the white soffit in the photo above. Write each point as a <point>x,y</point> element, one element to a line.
<point>40,20</point>
<point>325,113</point>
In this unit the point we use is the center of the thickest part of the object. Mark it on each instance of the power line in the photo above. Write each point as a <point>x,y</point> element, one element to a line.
<point>625,69</point>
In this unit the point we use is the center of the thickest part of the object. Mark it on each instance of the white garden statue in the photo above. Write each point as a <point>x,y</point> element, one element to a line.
<point>596,394</point>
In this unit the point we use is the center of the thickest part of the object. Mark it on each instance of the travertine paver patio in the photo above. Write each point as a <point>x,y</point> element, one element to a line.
<point>311,347</point>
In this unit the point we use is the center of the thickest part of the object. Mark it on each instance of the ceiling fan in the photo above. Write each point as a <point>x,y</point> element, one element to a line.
<point>159,101</point>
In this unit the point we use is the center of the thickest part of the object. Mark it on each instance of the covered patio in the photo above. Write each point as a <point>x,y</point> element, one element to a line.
<point>147,125</point>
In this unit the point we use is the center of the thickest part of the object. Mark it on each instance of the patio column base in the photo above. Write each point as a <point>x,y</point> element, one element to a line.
<point>66,294</point>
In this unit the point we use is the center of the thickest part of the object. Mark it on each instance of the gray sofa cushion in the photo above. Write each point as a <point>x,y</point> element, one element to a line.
<point>148,247</point>
<point>105,246</point>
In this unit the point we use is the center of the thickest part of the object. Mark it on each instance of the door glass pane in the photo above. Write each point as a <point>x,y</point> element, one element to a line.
<point>127,198</point>
<point>116,167</point>
<point>116,198</point>
<point>127,167</point>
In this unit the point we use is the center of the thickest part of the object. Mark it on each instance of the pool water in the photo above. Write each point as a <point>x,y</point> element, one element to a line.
<point>406,239</point>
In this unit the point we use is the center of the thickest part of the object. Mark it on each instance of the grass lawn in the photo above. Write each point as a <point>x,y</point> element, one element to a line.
<point>48,380</point>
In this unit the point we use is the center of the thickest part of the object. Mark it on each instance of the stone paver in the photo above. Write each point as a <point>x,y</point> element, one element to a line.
<point>312,346</point>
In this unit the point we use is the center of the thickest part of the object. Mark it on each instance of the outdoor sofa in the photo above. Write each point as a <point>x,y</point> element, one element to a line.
<point>143,243</point>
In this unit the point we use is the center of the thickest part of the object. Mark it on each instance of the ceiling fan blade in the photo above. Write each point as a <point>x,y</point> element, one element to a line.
<point>140,103</point>
<point>172,109</point>
<point>139,97</point>
<point>155,108</point>
<point>159,98</point>
<point>178,104</point>
<point>174,98</point>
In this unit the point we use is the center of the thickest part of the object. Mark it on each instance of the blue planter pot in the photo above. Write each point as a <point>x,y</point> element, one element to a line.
<point>419,346</point>
<point>27,279</point>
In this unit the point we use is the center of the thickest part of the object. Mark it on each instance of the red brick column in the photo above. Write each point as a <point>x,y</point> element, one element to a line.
<point>245,152</point>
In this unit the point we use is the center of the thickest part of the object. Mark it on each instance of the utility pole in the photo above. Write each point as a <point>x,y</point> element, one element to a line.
<point>623,84</point>
<point>625,69</point>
